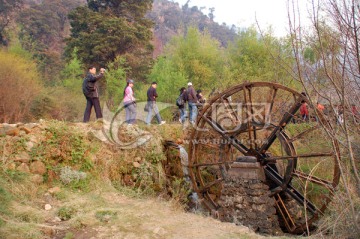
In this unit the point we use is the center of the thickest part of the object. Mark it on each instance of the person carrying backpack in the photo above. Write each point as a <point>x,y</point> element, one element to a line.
<point>180,102</point>
<point>192,102</point>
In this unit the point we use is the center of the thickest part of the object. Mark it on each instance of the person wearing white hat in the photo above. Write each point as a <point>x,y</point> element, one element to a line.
<point>192,101</point>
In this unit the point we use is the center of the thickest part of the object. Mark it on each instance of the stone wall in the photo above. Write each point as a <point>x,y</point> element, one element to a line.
<point>247,202</point>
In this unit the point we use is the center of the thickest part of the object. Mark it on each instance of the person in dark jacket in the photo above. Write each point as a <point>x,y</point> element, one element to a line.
<point>91,93</point>
<point>151,104</point>
<point>192,101</point>
<point>200,97</point>
<point>182,108</point>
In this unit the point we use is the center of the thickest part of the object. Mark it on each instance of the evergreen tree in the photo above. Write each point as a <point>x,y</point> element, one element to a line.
<point>106,29</point>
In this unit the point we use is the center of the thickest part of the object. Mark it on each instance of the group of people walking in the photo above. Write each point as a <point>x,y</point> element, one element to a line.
<point>130,104</point>
<point>194,100</point>
<point>187,95</point>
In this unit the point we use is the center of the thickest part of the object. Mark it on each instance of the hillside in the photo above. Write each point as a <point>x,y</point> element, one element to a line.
<point>172,19</point>
<point>169,19</point>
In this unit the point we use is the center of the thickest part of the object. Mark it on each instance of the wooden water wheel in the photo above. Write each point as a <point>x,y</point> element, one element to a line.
<point>259,123</point>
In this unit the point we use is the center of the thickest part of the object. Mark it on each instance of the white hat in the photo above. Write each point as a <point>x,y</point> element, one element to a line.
<point>189,83</point>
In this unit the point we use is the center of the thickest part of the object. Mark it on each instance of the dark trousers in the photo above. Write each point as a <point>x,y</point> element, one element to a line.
<point>90,102</point>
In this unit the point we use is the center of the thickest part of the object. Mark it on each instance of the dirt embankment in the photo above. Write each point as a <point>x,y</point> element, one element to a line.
<point>71,180</point>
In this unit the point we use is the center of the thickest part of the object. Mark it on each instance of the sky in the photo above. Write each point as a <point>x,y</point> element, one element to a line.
<point>243,13</point>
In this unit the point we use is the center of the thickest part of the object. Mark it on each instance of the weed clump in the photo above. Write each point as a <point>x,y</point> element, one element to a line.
<point>105,216</point>
<point>68,175</point>
<point>66,213</point>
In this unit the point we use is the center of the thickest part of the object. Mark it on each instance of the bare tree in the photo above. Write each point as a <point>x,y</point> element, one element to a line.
<point>328,66</point>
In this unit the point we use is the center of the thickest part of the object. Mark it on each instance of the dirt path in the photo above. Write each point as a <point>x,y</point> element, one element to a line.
<point>129,218</point>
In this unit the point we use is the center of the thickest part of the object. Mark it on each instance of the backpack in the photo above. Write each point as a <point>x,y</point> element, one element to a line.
<point>180,101</point>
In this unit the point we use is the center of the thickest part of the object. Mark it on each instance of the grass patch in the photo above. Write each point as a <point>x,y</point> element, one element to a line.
<point>69,235</point>
<point>5,198</point>
<point>106,215</point>
<point>65,213</point>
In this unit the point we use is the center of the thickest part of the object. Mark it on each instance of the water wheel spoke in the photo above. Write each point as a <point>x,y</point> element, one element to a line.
<point>302,134</point>
<point>206,187</point>
<point>250,107</point>
<point>233,114</point>
<point>282,124</point>
<point>271,100</point>
<point>326,184</point>
<point>286,216</point>
<point>249,115</point>
<point>290,190</point>
<point>313,155</point>
<point>242,148</point>
<point>209,164</point>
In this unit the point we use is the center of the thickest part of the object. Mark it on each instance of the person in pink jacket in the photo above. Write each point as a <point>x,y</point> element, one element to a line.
<point>129,103</point>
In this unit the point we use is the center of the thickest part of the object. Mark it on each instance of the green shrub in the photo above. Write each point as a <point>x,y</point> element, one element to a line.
<point>68,175</point>
<point>66,213</point>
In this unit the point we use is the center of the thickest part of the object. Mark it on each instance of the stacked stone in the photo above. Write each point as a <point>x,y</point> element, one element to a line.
<point>247,202</point>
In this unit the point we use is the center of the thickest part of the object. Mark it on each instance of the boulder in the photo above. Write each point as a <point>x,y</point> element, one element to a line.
<point>37,179</point>
<point>38,167</point>
<point>29,145</point>
<point>12,132</point>
<point>54,190</point>
<point>25,129</point>
<point>11,166</point>
<point>23,168</point>
<point>48,207</point>
<point>23,157</point>
<point>136,164</point>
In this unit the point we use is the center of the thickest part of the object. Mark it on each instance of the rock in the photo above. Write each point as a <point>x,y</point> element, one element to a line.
<point>29,145</point>
<point>137,159</point>
<point>23,157</point>
<point>51,175</point>
<point>251,215</point>
<point>257,186</point>
<point>26,130</point>
<point>54,190</point>
<point>12,132</point>
<point>50,232</point>
<point>37,179</point>
<point>260,208</point>
<point>38,167</point>
<point>136,164</point>
<point>31,125</point>
<point>57,219</point>
<point>159,231</point>
<point>33,139</point>
<point>48,207</point>
<point>238,199</point>
<point>23,168</point>
<point>128,180</point>
<point>11,166</point>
